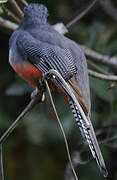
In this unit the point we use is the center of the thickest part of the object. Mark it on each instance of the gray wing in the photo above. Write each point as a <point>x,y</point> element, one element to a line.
<point>81,77</point>
<point>45,56</point>
<point>49,35</point>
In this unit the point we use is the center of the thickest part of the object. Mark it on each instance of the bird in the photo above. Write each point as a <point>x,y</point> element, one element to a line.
<point>35,47</point>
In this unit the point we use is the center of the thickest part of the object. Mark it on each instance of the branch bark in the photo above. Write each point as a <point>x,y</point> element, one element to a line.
<point>102,76</point>
<point>97,68</point>
<point>11,14</point>
<point>8,24</point>
<point>100,58</point>
<point>16,8</point>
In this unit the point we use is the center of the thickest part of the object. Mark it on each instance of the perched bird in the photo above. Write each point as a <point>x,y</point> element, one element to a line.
<point>35,47</point>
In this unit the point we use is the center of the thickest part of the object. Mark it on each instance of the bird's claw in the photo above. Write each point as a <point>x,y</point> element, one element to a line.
<point>38,93</point>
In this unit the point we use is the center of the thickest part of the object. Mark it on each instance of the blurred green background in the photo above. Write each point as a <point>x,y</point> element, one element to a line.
<point>36,149</point>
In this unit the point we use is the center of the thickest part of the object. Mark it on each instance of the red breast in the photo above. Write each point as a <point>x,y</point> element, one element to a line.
<point>31,74</point>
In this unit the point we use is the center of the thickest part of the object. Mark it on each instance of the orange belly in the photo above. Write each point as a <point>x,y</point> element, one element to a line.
<point>31,74</point>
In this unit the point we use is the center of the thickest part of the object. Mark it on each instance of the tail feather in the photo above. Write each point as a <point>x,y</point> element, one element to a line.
<point>89,135</point>
<point>86,131</point>
<point>81,114</point>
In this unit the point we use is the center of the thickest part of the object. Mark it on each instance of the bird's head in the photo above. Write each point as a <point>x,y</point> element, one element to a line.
<point>36,13</point>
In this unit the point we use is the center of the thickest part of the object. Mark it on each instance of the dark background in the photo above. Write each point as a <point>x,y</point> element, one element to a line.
<point>36,149</point>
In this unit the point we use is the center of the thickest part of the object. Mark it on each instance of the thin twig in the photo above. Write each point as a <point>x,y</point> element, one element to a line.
<point>12,15</point>
<point>100,58</point>
<point>102,76</point>
<point>77,18</point>
<point>76,159</point>
<point>109,139</point>
<point>61,127</point>
<point>17,8</point>
<point>96,67</point>
<point>1,164</point>
<point>28,108</point>
<point>104,130</point>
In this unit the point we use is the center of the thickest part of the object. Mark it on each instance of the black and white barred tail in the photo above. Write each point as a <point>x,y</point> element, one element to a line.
<point>89,134</point>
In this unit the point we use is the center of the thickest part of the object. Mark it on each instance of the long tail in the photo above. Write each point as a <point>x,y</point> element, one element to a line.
<point>89,134</point>
<point>80,112</point>
<point>87,131</point>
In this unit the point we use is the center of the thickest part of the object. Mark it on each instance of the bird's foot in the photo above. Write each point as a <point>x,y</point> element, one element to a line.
<point>38,93</point>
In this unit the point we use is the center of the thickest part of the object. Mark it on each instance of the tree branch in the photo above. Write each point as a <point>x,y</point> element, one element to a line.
<point>108,141</point>
<point>28,108</point>
<point>102,76</point>
<point>76,160</point>
<point>11,14</point>
<point>16,8</point>
<point>1,164</point>
<point>8,24</point>
<point>97,68</point>
<point>100,58</point>
<point>109,8</point>
<point>77,18</point>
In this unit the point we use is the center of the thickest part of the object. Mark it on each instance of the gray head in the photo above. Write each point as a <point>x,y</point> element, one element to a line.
<point>35,13</point>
